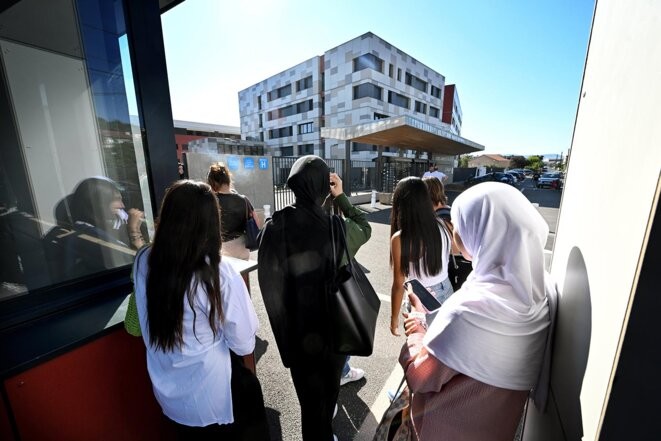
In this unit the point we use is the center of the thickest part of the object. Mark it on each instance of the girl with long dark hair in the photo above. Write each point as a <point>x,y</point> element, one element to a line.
<point>419,245</point>
<point>196,318</point>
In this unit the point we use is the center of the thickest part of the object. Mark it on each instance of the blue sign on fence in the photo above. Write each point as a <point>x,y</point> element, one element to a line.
<point>248,163</point>
<point>263,163</point>
<point>233,162</point>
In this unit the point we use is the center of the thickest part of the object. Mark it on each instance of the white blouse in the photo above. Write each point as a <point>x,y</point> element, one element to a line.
<point>192,384</point>
<point>429,280</point>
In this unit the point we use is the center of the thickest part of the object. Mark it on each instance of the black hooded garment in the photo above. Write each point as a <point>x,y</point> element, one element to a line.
<point>296,268</point>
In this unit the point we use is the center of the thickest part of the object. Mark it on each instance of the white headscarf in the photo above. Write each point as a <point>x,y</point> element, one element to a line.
<point>495,328</point>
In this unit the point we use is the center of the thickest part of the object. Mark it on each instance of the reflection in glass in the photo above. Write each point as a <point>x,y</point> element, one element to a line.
<point>73,177</point>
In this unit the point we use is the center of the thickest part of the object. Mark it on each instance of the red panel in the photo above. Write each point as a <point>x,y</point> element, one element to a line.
<point>181,139</point>
<point>5,426</point>
<point>98,391</point>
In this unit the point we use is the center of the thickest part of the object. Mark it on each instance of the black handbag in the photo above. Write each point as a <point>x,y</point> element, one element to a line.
<point>252,230</point>
<point>353,303</point>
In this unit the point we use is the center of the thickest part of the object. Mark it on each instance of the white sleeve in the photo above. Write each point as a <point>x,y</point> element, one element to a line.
<point>239,318</point>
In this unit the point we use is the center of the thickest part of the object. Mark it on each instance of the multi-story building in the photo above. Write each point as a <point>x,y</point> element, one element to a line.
<point>186,132</point>
<point>452,109</point>
<point>360,81</point>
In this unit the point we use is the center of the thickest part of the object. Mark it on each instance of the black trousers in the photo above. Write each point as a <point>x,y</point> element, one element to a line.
<point>317,383</point>
<point>250,422</point>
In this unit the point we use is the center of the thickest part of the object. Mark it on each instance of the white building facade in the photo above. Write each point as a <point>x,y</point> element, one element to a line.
<point>362,80</point>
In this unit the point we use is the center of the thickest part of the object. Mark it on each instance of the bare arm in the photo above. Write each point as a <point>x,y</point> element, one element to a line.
<point>397,289</point>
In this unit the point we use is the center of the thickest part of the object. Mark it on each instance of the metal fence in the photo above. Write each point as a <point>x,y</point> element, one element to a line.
<point>282,165</point>
<point>363,175</point>
<point>381,174</point>
<point>395,169</point>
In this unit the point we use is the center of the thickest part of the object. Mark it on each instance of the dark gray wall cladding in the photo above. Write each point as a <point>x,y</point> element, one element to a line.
<point>399,51</point>
<point>326,64</point>
<point>365,117</point>
<point>341,105</point>
<point>347,78</point>
<point>388,47</point>
<point>333,71</point>
<point>426,72</point>
<point>414,61</point>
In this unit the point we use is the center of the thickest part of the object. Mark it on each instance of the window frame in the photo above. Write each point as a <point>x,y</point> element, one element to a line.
<point>149,71</point>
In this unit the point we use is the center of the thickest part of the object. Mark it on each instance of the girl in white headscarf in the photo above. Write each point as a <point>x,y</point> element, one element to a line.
<point>471,372</point>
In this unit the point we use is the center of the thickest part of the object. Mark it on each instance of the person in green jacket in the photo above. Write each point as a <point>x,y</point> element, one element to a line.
<point>296,274</point>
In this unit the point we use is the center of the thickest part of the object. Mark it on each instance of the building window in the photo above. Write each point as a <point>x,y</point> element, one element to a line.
<point>434,112</point>
<point>287,150</point>
<point>305,83</point>
<point>416,82</point>
<point>361,147</point>
<point>259,102</point>
<point>292,109</point>
<point>71,153</point>
<point>304,128</point>
<point>306,149</point>
<point>420,107</point>
<point>380,116</point>
<point>261,122</point>
<point>304,106</point>
<point>280,92</point>
<point>367,90</point>
<point>397,99</point>
<point>399,74</point>
<point>391,71</point>
<point>368,61</point>
<point>436,92</point>
<point>261,136</point>
<point>281,132</point>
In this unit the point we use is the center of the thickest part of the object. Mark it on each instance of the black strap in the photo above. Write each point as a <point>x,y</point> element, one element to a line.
<point>343,241</point>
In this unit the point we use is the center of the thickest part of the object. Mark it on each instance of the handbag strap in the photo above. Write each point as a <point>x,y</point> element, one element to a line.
<point>334,219</point>
<point>245,201</point>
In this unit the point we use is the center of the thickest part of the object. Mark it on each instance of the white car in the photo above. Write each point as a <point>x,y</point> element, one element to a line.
<point>550,180</point>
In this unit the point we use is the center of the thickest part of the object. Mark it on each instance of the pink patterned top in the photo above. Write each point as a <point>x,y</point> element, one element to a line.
<point>449,406</point>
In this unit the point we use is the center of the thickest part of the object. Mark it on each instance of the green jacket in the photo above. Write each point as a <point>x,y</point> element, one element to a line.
<point>356,225</point>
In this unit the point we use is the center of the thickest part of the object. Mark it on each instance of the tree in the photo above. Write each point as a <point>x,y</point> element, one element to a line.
<point>535,162</point>
<point>464,159</point>
<point>518,162</point>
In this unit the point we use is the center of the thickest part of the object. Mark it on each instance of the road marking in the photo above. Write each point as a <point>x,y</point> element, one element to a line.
<point>380,405</point>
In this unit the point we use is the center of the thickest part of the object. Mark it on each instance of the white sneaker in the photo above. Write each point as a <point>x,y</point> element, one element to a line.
<point>354,374</point>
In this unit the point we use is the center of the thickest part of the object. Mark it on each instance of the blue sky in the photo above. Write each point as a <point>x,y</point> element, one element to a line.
<point>517,64</point>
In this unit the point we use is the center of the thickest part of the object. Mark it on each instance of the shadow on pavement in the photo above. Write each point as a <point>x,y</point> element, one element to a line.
<point>275,428</point>
<point>352,411</point>
<point>380,217</point>
<point>260,348</point>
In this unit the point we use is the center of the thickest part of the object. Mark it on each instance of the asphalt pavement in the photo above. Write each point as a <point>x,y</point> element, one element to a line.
<point>362,403</point>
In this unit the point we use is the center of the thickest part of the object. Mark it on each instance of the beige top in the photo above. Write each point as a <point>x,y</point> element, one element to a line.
<point>449,406</point>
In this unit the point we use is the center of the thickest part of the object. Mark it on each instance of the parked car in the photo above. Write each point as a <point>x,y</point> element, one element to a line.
<point>517,174</point>
<point>551,180</point>
<point>495,176</point>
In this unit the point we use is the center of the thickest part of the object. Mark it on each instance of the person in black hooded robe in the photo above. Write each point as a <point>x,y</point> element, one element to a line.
<point>295,276</point>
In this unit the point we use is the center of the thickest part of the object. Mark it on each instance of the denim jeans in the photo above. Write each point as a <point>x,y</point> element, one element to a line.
<point>346,368</point>
<point>441,291</point>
